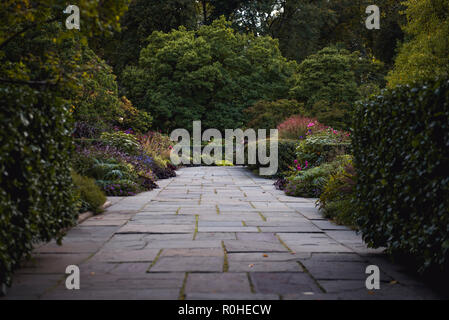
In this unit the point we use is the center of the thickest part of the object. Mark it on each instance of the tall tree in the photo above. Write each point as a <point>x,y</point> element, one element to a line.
<point>425,53</point>
<point>350,28</point>
<point>211,74</point>
<point>142,18</point>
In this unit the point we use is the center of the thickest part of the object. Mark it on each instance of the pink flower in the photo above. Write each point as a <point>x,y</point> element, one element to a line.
<point>299,168</point>
<point>296,161</point>
<point>311,125</point>
<point>307,164</point>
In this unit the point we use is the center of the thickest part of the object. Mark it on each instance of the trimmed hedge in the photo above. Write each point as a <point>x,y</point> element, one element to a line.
<point>286,157</point>
<point>401,155</point>
<point>321,148</point>
<point>36,192</point>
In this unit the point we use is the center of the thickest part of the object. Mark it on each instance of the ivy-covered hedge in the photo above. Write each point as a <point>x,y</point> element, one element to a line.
<point>401,155</point>
<point>36,191</point>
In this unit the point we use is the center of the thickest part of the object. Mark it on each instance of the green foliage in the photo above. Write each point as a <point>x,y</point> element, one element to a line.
<point>90,196</point>
<point>286,156</point>
<point>157,145</point>
<point>138,23</point>
<point>302,26</point>
<point>112,170</point>
<point>38,75</point>
<point>308,183</point>
<point>326,76</point>
<point>121,141</point>
<point>115,177</point>
<point>97,102</point>
<point>26,15</point>
<point>36,197</point>
<point>211,74</point>
<point>401,155</point>
<point>424,54</point>
<point>286,149</point>
<point>311,182</point>
<point>328,83</point>
<point>324,146</point>
<point>336,114</point>
<point>349,28</point>
<point>137,120</point>
<point>269,114</point>
<point>336,201</point>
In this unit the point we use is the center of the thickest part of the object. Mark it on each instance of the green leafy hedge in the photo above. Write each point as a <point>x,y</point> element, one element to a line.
<point>36,191</point>
<point>322,147</point>
<point>401,155</point>
<point>286,157</point>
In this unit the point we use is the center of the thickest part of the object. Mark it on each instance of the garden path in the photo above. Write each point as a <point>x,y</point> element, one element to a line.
<point>212,233</point>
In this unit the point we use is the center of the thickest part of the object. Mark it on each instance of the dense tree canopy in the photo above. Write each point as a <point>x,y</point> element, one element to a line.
<point>138,23</point>
<point>301,27</point>
<point>330,81</point>
<point>425,53</point>
<point>327,76</point>
<point>211,74</point>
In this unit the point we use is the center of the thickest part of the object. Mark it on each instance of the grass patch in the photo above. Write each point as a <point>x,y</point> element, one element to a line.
<point>182,294</point>
<point>196,227</point>
<point>155,260</point>
<point>225,262</point>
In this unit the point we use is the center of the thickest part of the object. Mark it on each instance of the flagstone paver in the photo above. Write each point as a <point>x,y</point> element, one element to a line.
<point>212,233</point>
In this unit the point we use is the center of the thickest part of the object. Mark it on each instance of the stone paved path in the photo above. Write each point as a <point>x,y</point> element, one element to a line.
<point>212,233</point>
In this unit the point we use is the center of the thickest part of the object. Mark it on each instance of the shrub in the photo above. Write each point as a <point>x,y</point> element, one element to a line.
<point>112,169</point>
<point>90,196</point>
<point>286,156</point>
<point>85,130</point>
<point>137,120</point>
<point>310,182</point>
<point>156,144</point>
<point>109,164</point>
<point>269,114</point>
<point>97,103</point>
<point>336,201</point>
<point>401,155</point>
<point>322,147</point>
<point>120,188</point>
<point>335,114</point>
<point>122,141</point>
<point>298,127</point>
